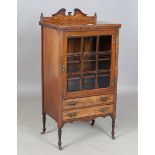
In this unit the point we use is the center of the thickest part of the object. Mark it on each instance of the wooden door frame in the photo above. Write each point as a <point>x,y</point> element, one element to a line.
<point>84,93</point>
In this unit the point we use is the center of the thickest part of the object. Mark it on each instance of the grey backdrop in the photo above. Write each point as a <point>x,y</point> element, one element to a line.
<point>29,51</point>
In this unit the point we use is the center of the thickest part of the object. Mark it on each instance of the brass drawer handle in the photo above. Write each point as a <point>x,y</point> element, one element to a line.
<point>72,103</point>
<point>104,99</point>
<point>104,109</point>
<point>72,114</point>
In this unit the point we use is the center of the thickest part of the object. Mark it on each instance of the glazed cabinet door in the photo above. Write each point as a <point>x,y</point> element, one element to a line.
<point>89,64</point>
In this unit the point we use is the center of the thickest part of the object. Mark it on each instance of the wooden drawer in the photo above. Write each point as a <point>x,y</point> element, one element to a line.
<point>86,112</point>
<point>87,101</point>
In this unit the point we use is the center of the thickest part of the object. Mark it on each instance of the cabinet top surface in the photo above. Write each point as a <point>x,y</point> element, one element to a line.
<point>78,20</point>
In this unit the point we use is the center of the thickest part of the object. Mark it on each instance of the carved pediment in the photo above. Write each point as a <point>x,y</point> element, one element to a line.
<point>78,17</point>
<point>77,12</point>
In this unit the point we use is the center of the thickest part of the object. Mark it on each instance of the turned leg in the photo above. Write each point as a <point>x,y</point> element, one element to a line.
<point>113,128</point>
<point>93,122</point>
<point>44,122</point>
<point>59,135</point>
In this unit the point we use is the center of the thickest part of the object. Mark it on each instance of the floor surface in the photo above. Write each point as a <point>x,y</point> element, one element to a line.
<point>78,138</point>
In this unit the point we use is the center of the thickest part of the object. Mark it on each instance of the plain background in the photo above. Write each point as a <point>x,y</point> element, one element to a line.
<point>29,81</point>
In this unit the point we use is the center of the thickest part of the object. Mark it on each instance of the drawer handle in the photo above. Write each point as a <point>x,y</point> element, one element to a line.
<point>104,109</point>
<point>72,103</point>
<point>72,114</point>
<point>104,99</point>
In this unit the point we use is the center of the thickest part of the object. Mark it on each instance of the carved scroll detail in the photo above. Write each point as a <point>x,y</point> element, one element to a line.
<point>78,12</point>
<point>76,18</point>
<point>60,12</point>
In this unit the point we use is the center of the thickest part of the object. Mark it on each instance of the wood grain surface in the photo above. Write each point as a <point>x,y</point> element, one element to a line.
<point>79,113</point>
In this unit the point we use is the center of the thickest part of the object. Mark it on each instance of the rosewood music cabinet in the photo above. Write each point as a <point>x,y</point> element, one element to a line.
<point>79,68</point>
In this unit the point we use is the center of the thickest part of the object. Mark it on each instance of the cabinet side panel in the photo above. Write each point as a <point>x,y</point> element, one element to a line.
<point>52,73</point>
<point>116,71</point>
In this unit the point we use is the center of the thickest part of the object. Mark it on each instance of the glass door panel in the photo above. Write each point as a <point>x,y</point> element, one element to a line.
<point>73,59</point>
<point>104,79</point>
<point>73,67</point>
<point>89,81</point>
<point>89,57</point>
<point>73,83</point>
<point>89,45</point>
<point>104,64</point>
<point>73,62</point>
<point>105,43</point>
<point>104,56</point>
<point>74,45</point>
<point>89,66</point>
<point>104,61</point>
<point>89,62</point>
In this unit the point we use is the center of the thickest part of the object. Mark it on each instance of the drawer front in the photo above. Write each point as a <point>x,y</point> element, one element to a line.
<point>87,101</point>
<point>79,113</point>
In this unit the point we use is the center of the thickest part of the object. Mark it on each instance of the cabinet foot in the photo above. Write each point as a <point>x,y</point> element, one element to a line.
<point>44,123</point>
<point>113,129</point>
<point>93,122</point>
<point>59,136</point>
